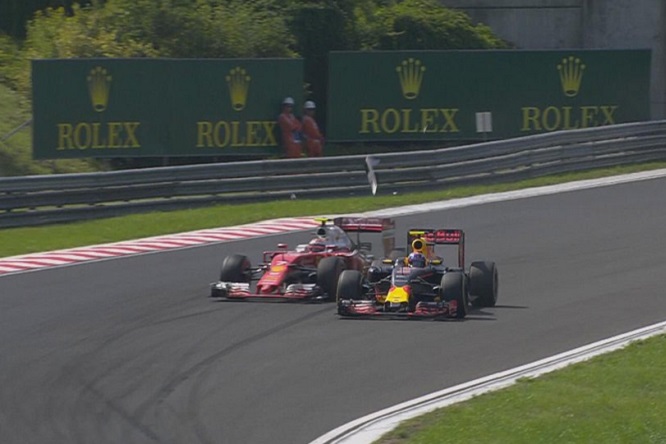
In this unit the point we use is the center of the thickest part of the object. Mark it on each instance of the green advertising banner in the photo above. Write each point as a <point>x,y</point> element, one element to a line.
<point>160,107</point>
<point>471,95</point>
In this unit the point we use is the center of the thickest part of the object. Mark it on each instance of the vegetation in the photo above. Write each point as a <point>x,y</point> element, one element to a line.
<point>614,398</point>
<point>620,399</point>
<point>14,14</point>
<point>15,158</point>
<point>310,29</point>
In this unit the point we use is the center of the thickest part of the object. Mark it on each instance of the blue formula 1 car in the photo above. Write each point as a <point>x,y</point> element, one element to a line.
<point>419,285</point>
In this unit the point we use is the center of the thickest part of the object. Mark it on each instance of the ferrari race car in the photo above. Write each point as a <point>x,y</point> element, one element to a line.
<point>419,285</point>
<point>311,271</point>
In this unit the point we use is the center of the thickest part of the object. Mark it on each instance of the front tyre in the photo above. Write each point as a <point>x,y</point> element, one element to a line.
<point>453,289</point>
<point>350,286</point>
<point>483,282</point>
<point>235,268</point>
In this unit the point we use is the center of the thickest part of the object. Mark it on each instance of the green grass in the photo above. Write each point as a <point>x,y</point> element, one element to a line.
<point>614,398</point>
<point>617,398</point>
<point>16,241</point>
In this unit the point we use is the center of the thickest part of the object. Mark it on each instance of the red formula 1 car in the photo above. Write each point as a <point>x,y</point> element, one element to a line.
<point>419,285</point>
<point>311,271</point>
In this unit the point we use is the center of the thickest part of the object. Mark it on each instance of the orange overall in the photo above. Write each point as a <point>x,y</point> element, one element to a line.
<point>314,140</point>
<point>291,134</point>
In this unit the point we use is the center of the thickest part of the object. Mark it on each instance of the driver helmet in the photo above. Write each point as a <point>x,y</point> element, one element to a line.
<point>416,260</point>
<point>317,244</point>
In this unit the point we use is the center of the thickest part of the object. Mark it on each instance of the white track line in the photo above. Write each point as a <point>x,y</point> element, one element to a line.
<point>37,261</point>
<point>521,194</point>
<point>371,427</point>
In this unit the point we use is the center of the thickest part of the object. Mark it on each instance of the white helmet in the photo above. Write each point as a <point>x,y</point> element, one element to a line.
<point>288,101</point>
<point>309,105</point>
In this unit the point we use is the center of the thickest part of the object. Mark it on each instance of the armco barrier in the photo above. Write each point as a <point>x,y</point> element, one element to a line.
<point>35,200</point>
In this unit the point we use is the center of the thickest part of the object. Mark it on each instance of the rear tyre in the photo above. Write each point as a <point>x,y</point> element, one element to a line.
<point>483,283</point>
<point>350,286</point>
<point>453,289</point>
<point>235,268</point>
<point>328,273</point>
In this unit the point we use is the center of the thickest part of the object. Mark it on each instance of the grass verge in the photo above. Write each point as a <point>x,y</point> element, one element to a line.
<point>616,398</point>
<point>613,398</point>
<point>16,241</point>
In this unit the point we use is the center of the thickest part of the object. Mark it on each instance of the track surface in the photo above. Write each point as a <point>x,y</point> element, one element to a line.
<point>132,351</point>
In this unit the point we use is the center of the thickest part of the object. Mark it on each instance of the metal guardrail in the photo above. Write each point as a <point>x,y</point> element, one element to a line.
<point>35,200</point>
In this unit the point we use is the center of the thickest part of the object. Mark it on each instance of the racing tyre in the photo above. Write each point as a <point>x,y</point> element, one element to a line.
<point>483,284</point>
<point>350,286</point>
<point>453,289</point>
<point>328,273</point>
<point>235,268</point>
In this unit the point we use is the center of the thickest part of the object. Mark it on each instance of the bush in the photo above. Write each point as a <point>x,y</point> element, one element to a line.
<point>426,24</point>
<point>203,29</point>
<point>234,29</point>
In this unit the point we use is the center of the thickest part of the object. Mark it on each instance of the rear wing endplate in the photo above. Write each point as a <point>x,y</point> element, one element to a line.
<point>365,224</point>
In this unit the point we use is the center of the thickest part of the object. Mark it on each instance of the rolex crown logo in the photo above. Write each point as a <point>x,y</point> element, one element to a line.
<point>571,74</point>
<point>99,84</point>
<point>239,83</point>
<point>410,73</point>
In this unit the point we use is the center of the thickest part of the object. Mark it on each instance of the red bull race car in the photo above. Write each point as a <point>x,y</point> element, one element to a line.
<point>419,285</point>
<point>309,272</point>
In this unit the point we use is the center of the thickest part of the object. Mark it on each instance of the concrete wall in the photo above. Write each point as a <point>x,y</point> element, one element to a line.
<point>560,24</point>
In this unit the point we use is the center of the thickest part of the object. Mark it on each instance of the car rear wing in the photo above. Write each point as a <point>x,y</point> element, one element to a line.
<point>365,224</point>
<point>384,225</point>
<point>438,236</point>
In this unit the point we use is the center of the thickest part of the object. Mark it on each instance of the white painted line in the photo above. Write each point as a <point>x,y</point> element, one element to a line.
<point>369,428</point>
<point>520,194</point>
<point>10,268</point>
<point>267,228</point>
<point>200,239</point>
<point>21,265</point>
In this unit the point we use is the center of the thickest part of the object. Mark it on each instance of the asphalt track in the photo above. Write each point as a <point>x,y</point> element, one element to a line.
<point>131,350</point>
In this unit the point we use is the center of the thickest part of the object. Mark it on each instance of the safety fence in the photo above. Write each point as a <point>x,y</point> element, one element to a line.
<point>35,200</point>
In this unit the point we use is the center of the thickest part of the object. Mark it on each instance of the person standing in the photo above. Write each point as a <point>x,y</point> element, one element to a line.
<point>314,140</point>
<point>290,127</point>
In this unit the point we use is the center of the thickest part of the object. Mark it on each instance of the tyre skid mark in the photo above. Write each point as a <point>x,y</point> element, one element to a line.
<point>75,373</point>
